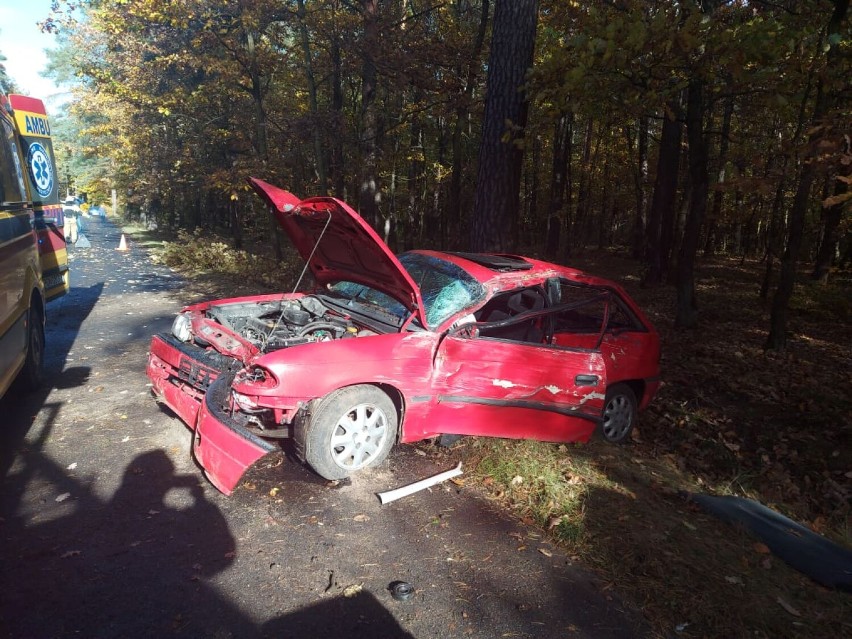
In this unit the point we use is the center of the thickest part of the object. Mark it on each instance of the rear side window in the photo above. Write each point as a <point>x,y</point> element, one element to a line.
<point>588,307</point>
<point>11,175</point>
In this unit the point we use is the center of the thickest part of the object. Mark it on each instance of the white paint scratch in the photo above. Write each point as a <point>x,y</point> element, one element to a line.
<point>503,383</point>
<point>592,396</point>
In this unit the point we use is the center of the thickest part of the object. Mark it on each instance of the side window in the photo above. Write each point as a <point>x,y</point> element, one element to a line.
<point>585,308</point>
<point>580,312</point>
<point>11,175</point>
<point>620,319</point>
<point>503,308</point>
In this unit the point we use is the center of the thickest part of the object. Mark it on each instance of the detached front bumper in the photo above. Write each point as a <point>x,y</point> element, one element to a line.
<point>223,447</point>
<point>196,383</point>
<point>181,374</point>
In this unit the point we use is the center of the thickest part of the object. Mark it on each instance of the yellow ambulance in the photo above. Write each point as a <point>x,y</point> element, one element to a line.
<point>22,297</point>
<point>41,180</point>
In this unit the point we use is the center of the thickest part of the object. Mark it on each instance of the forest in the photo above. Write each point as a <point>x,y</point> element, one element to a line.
<point>697,151</point>
<point>671,129</point>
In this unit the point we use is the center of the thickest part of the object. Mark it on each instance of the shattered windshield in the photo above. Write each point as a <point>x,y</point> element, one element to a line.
<point>445,288</point>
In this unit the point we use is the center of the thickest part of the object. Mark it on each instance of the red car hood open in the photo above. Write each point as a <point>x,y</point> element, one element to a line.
<point>349,249</point>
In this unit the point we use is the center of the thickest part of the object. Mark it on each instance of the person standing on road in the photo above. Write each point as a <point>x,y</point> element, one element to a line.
<point>71,227</point>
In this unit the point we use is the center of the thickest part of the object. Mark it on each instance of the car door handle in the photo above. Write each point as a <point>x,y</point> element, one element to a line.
<point>586,380</point>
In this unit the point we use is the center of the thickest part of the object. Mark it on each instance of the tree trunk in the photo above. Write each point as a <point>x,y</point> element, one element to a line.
<point>777,338</point>
<point>257,94</point>
<point>416,179</point>
<point>236,224</point>
<point>640,177</point>
<point>577,236</point>
<point>663,199</point>
<point>370,190</point>
<point>260,144</point>
<point>605,221</point>
<point>312,100</point>
<point>773,234</point>
<point>498,182</point>
<point>533,222</point>
<point>452,217</point>
<point>687,306</point>
<point>559,167</point>
<point>831,218</point>
<point>337,173</point>
<point>716,209</point>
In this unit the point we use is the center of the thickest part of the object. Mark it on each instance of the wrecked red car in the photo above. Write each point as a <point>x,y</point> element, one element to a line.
<point>389,349</point>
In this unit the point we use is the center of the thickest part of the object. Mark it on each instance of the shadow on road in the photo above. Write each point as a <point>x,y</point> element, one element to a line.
<point>64,318</point>
<point>142,564</point>
<point>132,566</point>
<point>360,616</point>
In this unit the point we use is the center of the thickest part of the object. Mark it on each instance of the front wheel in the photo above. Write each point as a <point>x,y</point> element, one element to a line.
<point>352,428</point>
<point>31,376</point>
<point>619,413</point>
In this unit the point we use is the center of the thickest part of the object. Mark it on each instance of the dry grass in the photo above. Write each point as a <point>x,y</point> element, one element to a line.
<point>625,514</point>
<point>215,268</point>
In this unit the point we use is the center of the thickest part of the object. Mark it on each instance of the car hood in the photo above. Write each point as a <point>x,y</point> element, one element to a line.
<point>338,244</point>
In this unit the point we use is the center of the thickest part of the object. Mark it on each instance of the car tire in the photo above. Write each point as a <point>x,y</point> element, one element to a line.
<point>619,414</point>
<point>351,429</point>
<point>31,376</point>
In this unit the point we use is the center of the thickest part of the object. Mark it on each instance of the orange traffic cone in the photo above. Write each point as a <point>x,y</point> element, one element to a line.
<point>122,245</point>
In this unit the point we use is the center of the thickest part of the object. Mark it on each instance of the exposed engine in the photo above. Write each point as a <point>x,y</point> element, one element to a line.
<point>280,324</point>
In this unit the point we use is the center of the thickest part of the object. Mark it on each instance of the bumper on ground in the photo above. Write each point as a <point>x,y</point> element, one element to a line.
<point>223,447</point>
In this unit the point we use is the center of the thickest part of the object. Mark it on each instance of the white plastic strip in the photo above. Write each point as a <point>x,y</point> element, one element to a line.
<point>392,495</point>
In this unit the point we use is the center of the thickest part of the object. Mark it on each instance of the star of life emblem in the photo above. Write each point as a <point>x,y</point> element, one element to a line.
<point>41,169</point>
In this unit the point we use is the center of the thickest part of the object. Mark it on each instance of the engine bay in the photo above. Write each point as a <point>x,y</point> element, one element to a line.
<point>274,325</point>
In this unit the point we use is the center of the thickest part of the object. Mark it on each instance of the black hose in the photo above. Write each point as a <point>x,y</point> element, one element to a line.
<point>321,325</point>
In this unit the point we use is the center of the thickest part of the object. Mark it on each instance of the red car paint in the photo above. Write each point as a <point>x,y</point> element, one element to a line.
<point>516,347</point>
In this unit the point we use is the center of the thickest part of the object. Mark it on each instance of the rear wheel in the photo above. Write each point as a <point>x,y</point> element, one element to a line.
<point>31,376</point>
<point>619,413</point>
<point>352,428</point>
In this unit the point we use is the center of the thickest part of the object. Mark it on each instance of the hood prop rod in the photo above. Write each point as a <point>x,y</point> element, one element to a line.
<point>301,276</point>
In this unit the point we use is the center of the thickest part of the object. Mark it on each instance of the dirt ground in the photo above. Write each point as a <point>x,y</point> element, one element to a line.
<point>109,529</point>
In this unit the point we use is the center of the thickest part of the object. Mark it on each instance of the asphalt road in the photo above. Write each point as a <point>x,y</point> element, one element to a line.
<point>109,529</point>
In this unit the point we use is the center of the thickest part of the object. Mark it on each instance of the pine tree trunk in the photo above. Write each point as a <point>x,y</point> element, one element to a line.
<point>312,100</point>
<point>663,199</point>
<point>336,168</point>
<point>558,175</point>
<point>831,218</point>
<point>577,237</point>
<point>640,177</point>
<point>687,306</point>
<point>452,216</point>
<point>498,181</point>
<point>716,209</point>
<point>370,190</point>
